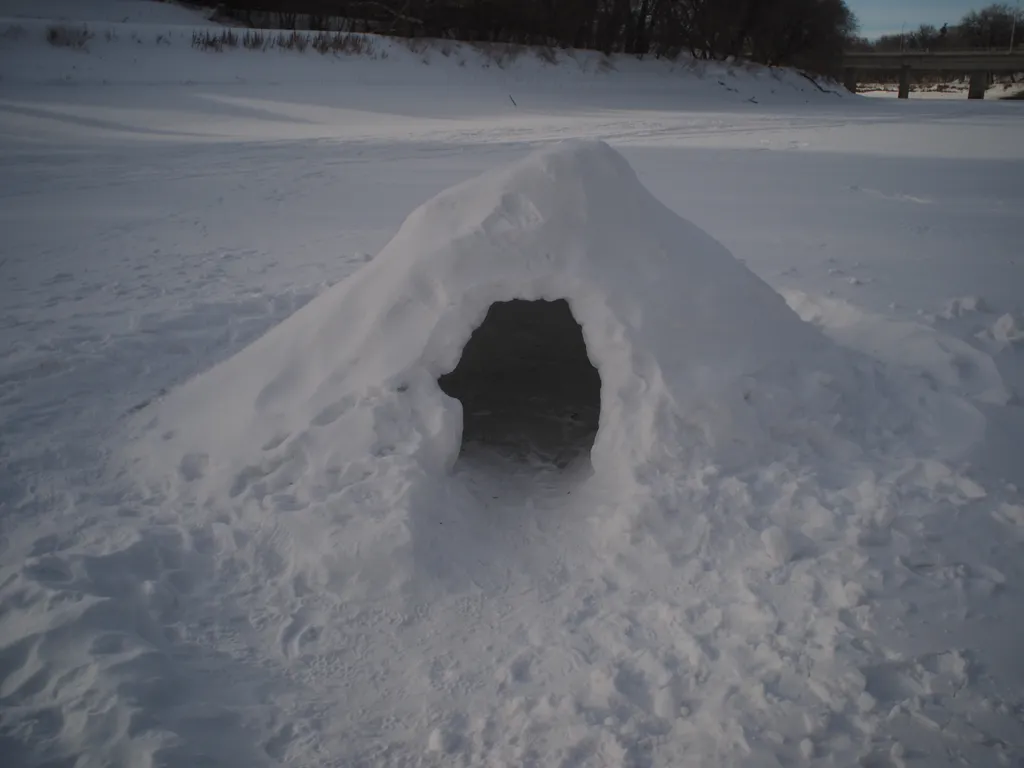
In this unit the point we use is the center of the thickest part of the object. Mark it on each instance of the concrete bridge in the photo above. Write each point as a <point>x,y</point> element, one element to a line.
<point>979,64</point>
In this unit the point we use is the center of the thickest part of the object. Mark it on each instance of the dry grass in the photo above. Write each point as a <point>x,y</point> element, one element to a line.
<point>501,54</point>
<point>323,42</point>
<point>353,44</point>
<point>342,44</point>
<point>255,40</point>
<point>547,54</point>
<point>213,41</point>
<point>337,43</point>
<point>418,45</point>
<point>292,41</point>
<point>68,37</point>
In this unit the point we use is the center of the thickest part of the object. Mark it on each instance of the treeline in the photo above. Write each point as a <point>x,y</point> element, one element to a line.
<point>991,27</point>
<point>805,33</point>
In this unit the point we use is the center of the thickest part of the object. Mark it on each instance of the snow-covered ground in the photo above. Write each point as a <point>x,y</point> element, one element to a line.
<point>819,564</point>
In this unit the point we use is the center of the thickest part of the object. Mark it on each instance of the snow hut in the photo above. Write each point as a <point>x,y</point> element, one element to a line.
<point>551,305</point>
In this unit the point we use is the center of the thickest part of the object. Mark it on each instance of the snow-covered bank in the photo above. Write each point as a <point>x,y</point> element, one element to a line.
<point>145,43</point>
<point>150,54</point>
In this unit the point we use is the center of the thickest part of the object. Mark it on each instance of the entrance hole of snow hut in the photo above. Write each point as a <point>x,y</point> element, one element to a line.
<point>527,387</point>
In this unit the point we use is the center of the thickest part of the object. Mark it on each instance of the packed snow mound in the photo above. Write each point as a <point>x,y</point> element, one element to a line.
<point>694,352</point>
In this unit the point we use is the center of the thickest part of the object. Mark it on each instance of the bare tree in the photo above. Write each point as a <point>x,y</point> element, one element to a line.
<point>807,33</point>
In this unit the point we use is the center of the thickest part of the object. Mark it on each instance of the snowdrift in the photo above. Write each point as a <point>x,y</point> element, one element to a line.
<point>693,351</point>
<point>155,43</point>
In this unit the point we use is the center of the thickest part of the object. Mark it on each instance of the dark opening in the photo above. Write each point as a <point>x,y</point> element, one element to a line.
<point>528,389</point>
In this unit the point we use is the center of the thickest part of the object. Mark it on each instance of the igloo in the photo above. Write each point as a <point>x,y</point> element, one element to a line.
<point>555,297</point>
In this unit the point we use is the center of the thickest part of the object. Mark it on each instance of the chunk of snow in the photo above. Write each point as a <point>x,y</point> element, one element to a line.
<point>1011,513</point>
<point>665,703</point>
<point>438,741</point>
<point>964,305</point>
<point>1006,329</point>
<point>866,702</point>
<point>777,544</point>
<point>970,489</point>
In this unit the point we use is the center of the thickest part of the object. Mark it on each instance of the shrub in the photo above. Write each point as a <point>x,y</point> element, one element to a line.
<point>293,41</point>
<point>416,45</point>
<point>547,54</point>
<point>323,42</point>
<point>255,40</point>
<point>500,54</point>
<point>341,43</point>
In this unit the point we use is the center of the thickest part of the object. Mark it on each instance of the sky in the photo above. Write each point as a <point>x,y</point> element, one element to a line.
<point>881,17</point>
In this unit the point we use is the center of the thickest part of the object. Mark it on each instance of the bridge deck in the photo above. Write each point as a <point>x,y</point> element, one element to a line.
<point>959,61</point>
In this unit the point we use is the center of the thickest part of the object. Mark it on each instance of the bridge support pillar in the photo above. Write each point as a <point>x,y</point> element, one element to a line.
<point>904,82</point>
<point>850,79</point>
<point>979,82</point>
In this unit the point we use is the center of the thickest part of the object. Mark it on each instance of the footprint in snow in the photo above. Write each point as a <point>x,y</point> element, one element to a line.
<point>296,635</point>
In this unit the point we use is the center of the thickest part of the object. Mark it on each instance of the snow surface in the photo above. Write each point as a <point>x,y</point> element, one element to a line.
<point>795,543</point>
